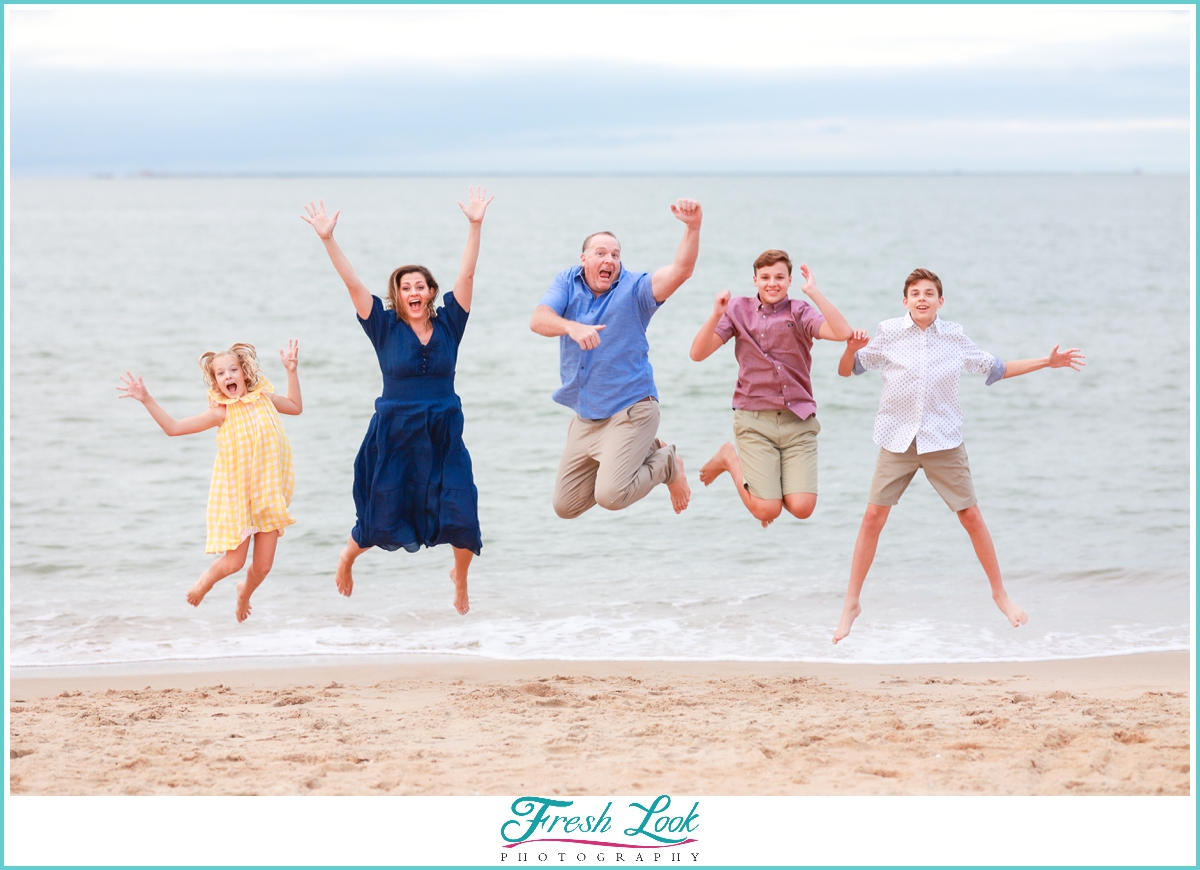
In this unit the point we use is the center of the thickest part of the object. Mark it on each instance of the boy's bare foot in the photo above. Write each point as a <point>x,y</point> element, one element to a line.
<point>718,465</point>
<point>849,614</point>
<point>681,493</point>
<point>461,604</point>
<point>343,578</point>
<point>1015,614</point>
<point>199,589</point>
<point>243,602</point>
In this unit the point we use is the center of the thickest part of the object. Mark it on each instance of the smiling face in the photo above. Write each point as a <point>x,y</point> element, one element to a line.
<point>773,282</point>
<point>228,375</point>
<point>601,261</point>
<point>413,295</point>
<point>923,299</point>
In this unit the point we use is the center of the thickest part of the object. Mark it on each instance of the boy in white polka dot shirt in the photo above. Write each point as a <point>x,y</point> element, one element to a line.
<point>919,425</point>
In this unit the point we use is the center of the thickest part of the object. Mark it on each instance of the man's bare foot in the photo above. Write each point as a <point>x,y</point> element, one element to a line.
<point>1015,614</point>
<point>343,578</point>
<point>849,614</point>
<point>718,465</point>
<point>199,589</point>
<point>461,604</point>
<point>243,602</point>
<point>681,493</point>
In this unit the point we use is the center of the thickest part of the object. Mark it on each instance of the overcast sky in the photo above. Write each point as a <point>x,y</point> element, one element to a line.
<point>598,89</point>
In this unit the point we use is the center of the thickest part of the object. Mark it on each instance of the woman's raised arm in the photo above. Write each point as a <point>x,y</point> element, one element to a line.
<point>464,285</point>
<point>324,224</point>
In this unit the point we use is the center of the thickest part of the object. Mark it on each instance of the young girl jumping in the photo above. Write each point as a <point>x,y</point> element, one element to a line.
<point>252,477</point>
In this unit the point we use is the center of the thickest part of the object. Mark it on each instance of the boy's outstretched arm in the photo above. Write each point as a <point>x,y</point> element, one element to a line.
<point>707,341</point>
<point>835,327</point>
<point>857,341</point>
<point>1072,358</point>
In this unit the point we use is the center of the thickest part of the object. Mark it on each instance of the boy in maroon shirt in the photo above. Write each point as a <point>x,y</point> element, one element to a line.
<point>774,465</point>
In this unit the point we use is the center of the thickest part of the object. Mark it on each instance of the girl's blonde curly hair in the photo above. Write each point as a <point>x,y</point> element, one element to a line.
<point>247,358</point>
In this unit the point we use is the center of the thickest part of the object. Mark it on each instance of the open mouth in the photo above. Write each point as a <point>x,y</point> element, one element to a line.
<point>415,306</point>
<point>606,274</point>
<point>230,387</point>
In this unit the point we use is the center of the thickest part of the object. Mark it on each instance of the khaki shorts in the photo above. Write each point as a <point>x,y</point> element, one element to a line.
<point>947,470</point>
<point>778,452</point>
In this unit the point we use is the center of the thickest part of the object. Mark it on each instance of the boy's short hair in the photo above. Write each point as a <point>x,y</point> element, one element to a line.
<point>922,275</point>
<point>771,257</point>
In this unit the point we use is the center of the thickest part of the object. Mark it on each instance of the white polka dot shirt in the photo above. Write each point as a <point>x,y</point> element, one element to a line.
<point>921,370</point>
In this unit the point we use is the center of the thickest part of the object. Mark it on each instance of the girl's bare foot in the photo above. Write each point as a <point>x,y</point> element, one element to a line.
<point>1015,614</point>
<point>243,602</point>
<point>199,589</point>
<point>718,465</point>
<point>343,578</point>
<point>849,613</point>
<point>461,604</point>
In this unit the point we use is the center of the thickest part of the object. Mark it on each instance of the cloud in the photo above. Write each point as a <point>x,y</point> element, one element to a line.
<point>339,41</point>
<point>598,89</point>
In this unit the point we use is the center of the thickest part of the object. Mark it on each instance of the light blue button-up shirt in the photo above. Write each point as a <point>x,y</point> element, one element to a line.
<point>600,382</point>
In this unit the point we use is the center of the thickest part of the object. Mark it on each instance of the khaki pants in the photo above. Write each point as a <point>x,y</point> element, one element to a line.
<point>612,462</point>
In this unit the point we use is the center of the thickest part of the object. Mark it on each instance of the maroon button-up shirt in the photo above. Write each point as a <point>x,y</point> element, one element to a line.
<point>774,353</point>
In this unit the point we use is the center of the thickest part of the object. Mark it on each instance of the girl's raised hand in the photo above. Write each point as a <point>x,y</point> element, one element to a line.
<point>291,356</point>
<point>320,221</point>
<point>133,388</point>
<point>475,209</point>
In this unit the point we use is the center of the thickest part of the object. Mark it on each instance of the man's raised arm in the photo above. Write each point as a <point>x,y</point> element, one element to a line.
<point>668,279</point>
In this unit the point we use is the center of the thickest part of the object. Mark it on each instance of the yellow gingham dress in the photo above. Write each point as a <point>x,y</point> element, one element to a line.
<point>252,478</point>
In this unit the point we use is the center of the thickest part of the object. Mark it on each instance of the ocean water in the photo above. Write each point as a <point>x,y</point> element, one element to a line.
<point>1084,478</point>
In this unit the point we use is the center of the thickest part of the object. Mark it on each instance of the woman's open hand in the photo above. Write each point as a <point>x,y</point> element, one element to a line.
<point>474,210</point>
<point>320,221</point>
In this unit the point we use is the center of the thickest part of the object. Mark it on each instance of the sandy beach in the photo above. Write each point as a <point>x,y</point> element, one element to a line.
<point>1114,726</point>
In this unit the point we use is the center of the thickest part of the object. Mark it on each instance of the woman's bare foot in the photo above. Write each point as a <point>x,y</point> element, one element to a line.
<point>461,604</point>
<point>343,578</point>
<point>849,613</point>
<point>681,493</point>
<point>199,589</point>
<point>718,465</point>
<point>243,602</point>
<point>1015,614</point>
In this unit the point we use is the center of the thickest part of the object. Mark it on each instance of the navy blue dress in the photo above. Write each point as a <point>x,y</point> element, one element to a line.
<point>412,476</point>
